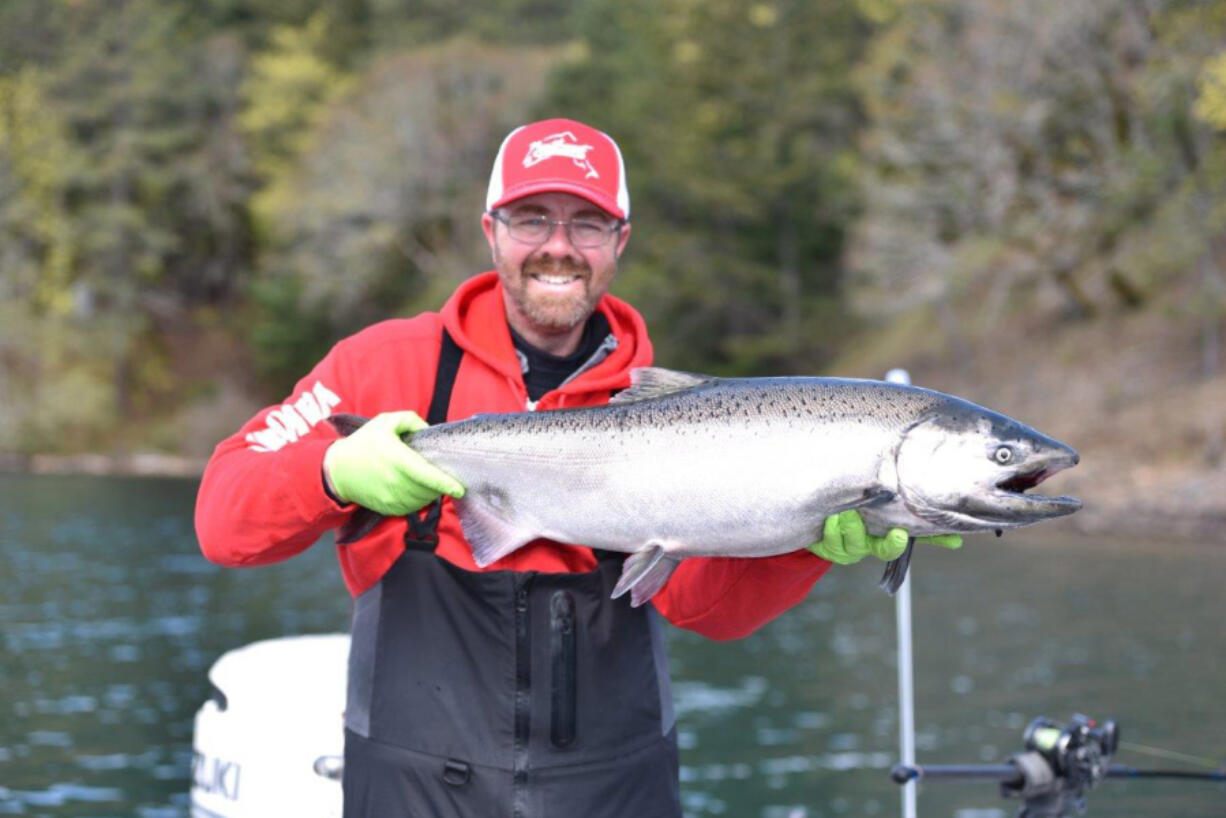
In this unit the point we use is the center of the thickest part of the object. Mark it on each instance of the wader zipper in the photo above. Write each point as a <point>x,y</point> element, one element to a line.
<point>523,695</point>
<point>562,663</point>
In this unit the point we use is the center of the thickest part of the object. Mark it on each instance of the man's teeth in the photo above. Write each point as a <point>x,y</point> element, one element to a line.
<point>554,279</point>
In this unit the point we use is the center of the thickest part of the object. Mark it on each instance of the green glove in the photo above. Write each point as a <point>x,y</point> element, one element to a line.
<point>375,468</point>
<point>844,540</point>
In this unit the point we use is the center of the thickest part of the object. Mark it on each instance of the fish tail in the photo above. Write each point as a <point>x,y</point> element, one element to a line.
<point>360,523</point>
<point>346,423</point>
<point>896,570</point>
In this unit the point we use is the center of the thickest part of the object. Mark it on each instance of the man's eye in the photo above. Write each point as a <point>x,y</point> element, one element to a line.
<point>529,222</point>
<point>588,228</point>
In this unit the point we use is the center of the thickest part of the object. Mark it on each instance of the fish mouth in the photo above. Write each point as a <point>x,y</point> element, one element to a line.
<point>1016,485</point>
<point>1021,483</point>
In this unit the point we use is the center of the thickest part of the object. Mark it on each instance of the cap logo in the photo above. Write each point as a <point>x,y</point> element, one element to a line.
<point>560,144</point>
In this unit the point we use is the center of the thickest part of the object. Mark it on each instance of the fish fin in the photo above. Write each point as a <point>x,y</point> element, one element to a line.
<point>652,581</point>
<point>360,523</point>
<point>655,382</point>
<point>896,570</point>
<point>346,423</point>
<point>869,498</point>
<point>643,574</point>
<point>488,529</point>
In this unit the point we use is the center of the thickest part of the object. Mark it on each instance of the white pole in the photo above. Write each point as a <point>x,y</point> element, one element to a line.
<point>906,679</point>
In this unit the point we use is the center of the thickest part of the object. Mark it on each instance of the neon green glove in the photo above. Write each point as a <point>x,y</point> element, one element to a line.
<point>845,541</point>
<point>375,468</point>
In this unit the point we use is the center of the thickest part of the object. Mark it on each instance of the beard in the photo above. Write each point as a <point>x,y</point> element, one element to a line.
<point>548,311</point>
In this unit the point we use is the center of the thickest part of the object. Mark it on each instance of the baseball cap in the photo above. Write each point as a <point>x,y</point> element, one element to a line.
<point>560,156</point>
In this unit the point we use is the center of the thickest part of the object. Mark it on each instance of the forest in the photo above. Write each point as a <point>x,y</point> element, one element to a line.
<point>198,198</point>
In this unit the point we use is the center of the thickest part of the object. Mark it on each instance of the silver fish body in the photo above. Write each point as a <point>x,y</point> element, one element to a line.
<point>686,465</point>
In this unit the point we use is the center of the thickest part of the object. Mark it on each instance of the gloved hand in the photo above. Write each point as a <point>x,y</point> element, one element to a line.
<point>845,541</point>
<point>375,468</point>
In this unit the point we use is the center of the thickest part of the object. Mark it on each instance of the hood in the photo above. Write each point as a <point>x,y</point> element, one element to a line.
<point>476,318</point>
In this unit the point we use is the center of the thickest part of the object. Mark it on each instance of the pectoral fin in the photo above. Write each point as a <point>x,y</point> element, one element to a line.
<point>869,498</point>
<point>644,574</point>
<point>896,570</point>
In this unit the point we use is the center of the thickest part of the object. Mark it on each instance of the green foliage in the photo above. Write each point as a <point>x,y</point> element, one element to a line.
<point>1034,155</point>
<point>1211,102</point>
<point>35,164</point>
<point>304,167</point>
<point>735,120</point>
<point>285,94</point>
<point>124,208</point>
<point>379,215</point>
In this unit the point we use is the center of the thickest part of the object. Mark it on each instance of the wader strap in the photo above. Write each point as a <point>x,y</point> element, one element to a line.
<point>422,533</point>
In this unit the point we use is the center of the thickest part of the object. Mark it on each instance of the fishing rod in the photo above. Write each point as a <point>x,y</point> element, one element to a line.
<point>1061,763</point>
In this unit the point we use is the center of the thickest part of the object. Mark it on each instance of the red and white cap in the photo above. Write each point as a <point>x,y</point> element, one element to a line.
<point>560,156</point>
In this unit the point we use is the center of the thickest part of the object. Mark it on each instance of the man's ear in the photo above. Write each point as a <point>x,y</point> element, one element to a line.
<point>623,238</point>
<point>487,227</point>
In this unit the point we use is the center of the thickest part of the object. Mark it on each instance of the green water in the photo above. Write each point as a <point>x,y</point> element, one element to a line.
<point>111,620</point>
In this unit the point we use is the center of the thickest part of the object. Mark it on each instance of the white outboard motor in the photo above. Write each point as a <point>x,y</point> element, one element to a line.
<point>270,740</point>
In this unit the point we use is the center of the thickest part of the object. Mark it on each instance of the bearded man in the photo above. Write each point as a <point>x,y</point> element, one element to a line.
<point>518,689</point>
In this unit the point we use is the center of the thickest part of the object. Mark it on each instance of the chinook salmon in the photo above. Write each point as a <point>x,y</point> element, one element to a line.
<point>683,465</point>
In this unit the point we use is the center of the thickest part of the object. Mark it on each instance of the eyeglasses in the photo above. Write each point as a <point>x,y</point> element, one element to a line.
<point>532,228</point>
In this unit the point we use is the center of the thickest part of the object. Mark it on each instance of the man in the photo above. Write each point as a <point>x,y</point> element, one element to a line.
<point>520,689</point>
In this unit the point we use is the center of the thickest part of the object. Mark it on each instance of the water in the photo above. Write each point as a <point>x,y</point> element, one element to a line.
<point>111,620</point>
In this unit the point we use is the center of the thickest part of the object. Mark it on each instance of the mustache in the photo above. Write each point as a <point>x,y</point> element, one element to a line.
<point>557,266</point>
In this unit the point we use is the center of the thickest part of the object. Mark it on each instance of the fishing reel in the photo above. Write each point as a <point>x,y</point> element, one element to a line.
<point>1060,763</point>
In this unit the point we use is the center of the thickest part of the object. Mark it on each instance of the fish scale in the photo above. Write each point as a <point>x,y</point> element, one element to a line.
<point>683,465</point>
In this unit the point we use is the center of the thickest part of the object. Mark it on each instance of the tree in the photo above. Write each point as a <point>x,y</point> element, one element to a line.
<point>379,215</point>
<point>1019,152</point>
<point>737,123</point>
<point>1211,102</point>
<point>130,210</point>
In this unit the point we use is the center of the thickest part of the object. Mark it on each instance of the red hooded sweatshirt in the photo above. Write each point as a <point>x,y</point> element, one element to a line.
<point>262,499</point>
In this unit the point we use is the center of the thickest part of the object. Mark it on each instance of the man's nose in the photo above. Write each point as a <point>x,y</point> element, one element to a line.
<point>557,243</point>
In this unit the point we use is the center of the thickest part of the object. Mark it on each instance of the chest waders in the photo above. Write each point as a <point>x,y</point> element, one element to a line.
<point>504,694</point>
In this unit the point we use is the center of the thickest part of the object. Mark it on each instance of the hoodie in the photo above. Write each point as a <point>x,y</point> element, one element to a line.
<point>262,499</point>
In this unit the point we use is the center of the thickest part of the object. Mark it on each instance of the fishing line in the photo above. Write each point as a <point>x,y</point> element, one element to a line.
<point>1173,755</point>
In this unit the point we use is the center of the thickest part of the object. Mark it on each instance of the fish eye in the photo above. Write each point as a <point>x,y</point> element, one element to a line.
<point>1002,455</point>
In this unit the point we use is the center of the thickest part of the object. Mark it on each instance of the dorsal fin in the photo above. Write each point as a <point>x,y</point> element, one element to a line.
<point>654,382</point>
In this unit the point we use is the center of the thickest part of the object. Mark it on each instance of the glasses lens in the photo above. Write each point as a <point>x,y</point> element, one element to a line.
<point>528,228</point>
<point>588,233</point>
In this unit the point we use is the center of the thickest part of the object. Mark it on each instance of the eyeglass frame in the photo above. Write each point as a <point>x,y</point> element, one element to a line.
<point>500,214</point>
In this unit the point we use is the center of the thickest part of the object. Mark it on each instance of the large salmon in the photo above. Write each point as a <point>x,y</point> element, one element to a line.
<point>684,465</point>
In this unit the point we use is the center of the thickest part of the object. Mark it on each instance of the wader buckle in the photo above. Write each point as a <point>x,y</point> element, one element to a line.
<point>456,773</point>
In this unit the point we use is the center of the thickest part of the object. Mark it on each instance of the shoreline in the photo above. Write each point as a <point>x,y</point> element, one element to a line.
<point>1184,519</point>
<point>135,464</point>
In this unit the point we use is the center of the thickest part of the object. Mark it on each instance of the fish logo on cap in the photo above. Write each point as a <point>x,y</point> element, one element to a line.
<point>561,144</point>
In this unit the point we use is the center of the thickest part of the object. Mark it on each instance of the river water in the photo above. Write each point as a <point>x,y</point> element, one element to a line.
<point>111,619</point>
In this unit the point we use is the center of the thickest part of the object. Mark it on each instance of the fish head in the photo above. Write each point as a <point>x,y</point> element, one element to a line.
<point>967,469</point>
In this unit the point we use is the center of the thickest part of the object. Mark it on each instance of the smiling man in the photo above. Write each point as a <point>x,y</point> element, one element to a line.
<point>556,258</point>
<point>519,689</point>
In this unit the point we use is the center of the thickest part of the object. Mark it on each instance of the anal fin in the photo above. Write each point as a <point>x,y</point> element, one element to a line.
<point>644,574</point>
